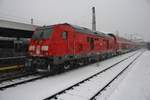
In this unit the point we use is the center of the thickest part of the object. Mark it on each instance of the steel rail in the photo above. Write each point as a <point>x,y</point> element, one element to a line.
<point>54,96</point>
<point>23,82</point>
<point>104,88</point>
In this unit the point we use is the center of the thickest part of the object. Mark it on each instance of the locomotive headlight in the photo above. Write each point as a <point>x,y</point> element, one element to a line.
<point>32,48</point>
<point>44,48</point>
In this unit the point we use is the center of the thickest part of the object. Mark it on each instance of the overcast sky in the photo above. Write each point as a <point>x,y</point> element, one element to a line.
<point>125,16</point>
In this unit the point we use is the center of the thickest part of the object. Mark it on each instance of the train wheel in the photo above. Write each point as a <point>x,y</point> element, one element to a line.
<point>51,69</point>
<point>66,67</point>
<point>28,66</point>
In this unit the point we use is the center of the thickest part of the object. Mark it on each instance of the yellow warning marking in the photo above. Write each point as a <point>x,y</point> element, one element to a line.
<point>11,67</point>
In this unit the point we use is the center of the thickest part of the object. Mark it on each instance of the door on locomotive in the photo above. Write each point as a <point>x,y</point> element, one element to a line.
<point>91,43</point>
<point>106,44</point>
<point>68,37</point>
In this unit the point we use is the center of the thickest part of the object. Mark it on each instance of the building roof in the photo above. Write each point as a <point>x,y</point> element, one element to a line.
<point>17,25</point>
<point>16,29</point>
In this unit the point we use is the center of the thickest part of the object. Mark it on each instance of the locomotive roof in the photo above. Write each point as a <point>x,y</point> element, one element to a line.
<point>88,31</point>
<point>81,29</point>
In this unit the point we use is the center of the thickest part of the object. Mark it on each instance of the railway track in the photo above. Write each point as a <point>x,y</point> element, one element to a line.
<point>117,76</point>
<point>11,63</point>
<point>22,79</point>
<point>14,75</point>
<point>80,90</point>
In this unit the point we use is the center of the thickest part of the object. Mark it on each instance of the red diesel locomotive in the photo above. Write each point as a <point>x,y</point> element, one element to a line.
<point>61,46</point>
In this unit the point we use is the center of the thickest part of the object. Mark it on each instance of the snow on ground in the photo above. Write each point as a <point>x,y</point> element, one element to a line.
<point>43,88</point>
<point>104,95</point>
<point>86,90</point>
<point>136,85</point>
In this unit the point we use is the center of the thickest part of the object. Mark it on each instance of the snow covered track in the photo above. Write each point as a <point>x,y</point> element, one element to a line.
<point>14,75</point>
<point>90,87</point>
<point>99,92</point>
<point>21,80</point>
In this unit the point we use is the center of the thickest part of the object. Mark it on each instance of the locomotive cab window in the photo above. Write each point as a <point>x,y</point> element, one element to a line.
<point>65,35</point>
<point>44,33</point>
<point>47,33</point>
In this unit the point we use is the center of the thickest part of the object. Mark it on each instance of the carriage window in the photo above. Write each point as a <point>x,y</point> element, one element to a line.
<point>65,35</point>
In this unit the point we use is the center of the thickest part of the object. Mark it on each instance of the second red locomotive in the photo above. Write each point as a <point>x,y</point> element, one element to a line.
<point>58,47</point>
